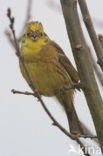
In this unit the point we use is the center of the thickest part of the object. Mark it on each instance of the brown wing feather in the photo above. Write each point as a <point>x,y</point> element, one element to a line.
<point>65,62</point>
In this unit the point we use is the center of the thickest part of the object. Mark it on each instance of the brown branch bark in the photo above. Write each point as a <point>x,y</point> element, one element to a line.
<point>100,37</point>
<point>85,69</point>
<point>91,31</point>
<point>98,71</point>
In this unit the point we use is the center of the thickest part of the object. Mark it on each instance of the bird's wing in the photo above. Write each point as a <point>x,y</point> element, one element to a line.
<point>65,62</point>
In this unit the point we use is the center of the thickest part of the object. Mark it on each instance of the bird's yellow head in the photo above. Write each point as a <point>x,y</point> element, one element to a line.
<point>34,38</point>
<point>34,30</point>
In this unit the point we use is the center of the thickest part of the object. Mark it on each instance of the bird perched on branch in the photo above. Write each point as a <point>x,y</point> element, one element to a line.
<point>50,70</point>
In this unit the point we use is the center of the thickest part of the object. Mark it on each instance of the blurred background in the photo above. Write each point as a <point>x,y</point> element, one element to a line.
<point>25,129</point>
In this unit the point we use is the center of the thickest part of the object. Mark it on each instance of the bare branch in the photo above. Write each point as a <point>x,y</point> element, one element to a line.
<point>74,86</point>
<point>100,37</point>
<point>97,70</point>
<point>88,136</point>
<point>55,123</point>
<point>32,94</point>
<point>19,92</point>
<point>84,66</point>
<point>91,31</point>
<point>8,34</point>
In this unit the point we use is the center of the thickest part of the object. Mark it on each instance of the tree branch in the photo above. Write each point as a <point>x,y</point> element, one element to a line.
<point>84,66</point>
<point>100,37</point>
<point>55,123</point>
<point>91,31</point>
<point>66,132</point>
<point>98,72</point>
<point>88,136</point>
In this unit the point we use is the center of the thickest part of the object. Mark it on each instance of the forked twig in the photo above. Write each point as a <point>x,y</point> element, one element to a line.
<point>34,94</point>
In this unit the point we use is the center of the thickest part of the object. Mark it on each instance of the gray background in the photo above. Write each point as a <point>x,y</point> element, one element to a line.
<point>25,129</point>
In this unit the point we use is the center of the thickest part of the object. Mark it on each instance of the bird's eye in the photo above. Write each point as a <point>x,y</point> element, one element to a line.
<point>28,34</point>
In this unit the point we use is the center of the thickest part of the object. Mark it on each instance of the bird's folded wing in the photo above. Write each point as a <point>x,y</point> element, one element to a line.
<point>65,62</point>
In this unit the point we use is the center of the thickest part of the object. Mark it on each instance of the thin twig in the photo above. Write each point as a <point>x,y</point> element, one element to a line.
<point>27,18</point>
<point>88,136</point>
<point>19,92</point>
<point>96,68</point>
<point>91,31</point>
<point>55,123</point>
<point>11,41</point>
<point>32,94</point>
<point>33,86</point>
<point>74,86</point>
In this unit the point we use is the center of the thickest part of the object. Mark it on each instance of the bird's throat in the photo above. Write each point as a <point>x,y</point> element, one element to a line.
<point>32,49</point>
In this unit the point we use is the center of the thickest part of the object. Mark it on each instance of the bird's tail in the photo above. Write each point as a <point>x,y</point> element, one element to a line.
<point>76,127</point>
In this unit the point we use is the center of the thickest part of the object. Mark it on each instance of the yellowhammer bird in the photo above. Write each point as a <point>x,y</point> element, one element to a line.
<point>50,70</point>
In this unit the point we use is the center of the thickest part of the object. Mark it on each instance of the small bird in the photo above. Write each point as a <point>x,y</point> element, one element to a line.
<point>50,70</point>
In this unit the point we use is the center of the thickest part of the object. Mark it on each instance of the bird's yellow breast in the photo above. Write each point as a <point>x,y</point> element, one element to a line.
<point>47,74</point>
